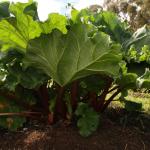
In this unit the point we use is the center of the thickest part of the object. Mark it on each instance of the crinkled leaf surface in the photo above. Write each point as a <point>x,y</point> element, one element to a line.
<point>75,55</point>
<point>30,78</point>
<point>127,81</point>
<point>13,74</point>
<point>139,56</point>
<point>88,121</point>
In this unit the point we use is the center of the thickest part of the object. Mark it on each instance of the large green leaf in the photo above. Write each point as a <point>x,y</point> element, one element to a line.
<point>75,55</point>
<point>15,32</point>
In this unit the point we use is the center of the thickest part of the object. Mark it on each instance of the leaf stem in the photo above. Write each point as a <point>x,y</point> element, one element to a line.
<point>23,114</point>
<point>74,95</point>
<point>110,100</point>
<point>114,88</point>
<point>60,110</point>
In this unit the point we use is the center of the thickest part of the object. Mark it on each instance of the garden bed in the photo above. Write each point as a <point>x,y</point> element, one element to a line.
<point>110,136</point>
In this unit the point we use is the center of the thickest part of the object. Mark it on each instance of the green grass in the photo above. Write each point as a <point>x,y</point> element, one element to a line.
<point>137,97</point>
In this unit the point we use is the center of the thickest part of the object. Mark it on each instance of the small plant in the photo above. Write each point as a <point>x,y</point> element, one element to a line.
<point>88,119</point>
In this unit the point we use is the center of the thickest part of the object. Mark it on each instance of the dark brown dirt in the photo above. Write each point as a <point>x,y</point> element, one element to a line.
<point>109,136</point>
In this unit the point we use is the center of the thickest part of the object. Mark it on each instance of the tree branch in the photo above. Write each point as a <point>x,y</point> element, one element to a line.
<point>60,110</point>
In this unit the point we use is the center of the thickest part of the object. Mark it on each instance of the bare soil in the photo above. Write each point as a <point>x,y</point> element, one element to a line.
<point>109,136</point>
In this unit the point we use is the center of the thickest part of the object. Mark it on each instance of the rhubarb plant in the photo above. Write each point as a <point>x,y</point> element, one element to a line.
<point>65,67</point>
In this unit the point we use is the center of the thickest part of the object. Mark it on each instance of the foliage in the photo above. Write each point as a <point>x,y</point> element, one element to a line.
<point>139,38</point>
<point>66,69</point>
<point>11,122</point>
<point>88,119</point>
<point>144,80</point>
<point>16,32</point>
<point>88,55</point>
